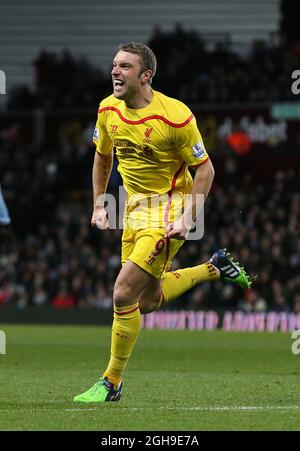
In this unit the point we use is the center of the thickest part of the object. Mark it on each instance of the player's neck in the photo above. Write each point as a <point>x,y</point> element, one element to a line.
<point>141,100</point>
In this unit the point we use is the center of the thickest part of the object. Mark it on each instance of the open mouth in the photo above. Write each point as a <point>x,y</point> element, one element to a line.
<point>118,83</point>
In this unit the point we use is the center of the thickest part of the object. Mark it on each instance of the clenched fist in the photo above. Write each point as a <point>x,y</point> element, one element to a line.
<point>100,218</point>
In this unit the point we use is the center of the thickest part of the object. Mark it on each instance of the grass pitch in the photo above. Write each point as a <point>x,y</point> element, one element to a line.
<point>175,380</point>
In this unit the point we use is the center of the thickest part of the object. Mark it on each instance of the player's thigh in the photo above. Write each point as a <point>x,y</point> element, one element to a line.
<point>146,255</point>
<point>153,252</point>
<point>128,237</point>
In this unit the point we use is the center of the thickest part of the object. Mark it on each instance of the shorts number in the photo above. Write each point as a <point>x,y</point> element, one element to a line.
<point>159,247</point>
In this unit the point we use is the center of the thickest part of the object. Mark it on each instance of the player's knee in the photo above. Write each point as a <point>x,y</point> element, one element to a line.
<point>122,296</point>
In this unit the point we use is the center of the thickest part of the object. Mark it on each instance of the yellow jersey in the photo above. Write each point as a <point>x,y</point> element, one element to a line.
<point>154,145</point>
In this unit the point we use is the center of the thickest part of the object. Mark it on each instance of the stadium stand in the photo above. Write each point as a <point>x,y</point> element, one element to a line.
<point>57,259</point>
<point>85,28</point>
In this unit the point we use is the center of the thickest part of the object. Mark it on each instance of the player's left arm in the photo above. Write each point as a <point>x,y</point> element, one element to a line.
<point>201,186</point>
<point>190,147</point>
<point>203,179</point>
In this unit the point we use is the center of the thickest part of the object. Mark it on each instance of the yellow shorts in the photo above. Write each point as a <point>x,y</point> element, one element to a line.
<point>148,249</point>
<point>143,240</point>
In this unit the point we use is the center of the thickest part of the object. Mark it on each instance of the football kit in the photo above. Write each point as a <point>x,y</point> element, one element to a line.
<point>155,146</point>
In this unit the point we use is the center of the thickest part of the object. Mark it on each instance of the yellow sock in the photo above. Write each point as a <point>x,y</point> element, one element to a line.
<point>125,330</point>
<point>174,283</point>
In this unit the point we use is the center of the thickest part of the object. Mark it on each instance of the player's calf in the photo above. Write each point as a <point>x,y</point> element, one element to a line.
<point>150,298</point>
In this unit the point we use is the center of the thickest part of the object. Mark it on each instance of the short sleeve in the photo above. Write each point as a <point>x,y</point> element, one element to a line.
<point>189,144</point>
<point>101,137</point>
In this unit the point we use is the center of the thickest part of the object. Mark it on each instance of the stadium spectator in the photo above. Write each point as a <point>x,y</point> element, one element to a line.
<point>252,302</point>
<point>63,299</point>
<point>45,182</point>
<point>188,69</point>
<point>64,247</point>
<point>6,234</point>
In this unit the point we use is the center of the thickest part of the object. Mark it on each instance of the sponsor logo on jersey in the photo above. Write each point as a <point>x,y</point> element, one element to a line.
<point>199,150</point>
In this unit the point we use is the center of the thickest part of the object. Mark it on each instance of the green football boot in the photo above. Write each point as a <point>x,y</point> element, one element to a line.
<point>230,271</point>
<point>101,391</point>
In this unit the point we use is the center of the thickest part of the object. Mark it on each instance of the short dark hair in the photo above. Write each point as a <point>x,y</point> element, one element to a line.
<point>147,57</point>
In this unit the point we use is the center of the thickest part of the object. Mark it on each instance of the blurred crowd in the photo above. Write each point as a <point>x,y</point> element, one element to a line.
<point>58,259</point>
<point>61,80</point>
<point>187,69</point>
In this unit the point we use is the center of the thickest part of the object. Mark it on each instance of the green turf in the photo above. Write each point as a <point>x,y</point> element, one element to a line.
<point>175,380</point>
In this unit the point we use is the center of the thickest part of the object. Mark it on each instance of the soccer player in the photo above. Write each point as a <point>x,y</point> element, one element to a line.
<point>5,221</point>
<point>156,141</point>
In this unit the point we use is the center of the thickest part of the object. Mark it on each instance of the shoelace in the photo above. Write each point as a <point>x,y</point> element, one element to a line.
<point>96,387</point>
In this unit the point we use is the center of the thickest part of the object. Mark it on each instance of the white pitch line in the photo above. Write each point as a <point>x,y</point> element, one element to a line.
<point>226,408</point>
<point>201,409</point>
<point>79,410</point>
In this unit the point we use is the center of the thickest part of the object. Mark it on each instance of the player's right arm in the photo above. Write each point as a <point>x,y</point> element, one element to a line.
<point>101,173</point>
<point>102,167</point>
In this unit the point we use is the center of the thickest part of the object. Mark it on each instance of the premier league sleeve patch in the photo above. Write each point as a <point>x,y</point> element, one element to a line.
<point>199,151</point>
<point>96,134</point>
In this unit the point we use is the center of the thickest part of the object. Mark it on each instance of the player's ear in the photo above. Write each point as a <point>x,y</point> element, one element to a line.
<point>146,76</point>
